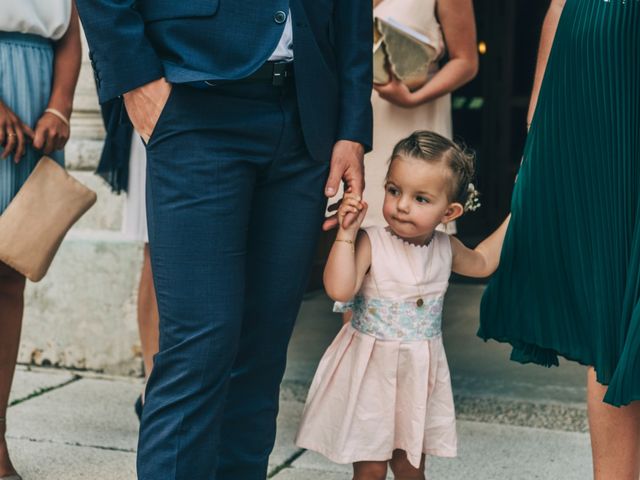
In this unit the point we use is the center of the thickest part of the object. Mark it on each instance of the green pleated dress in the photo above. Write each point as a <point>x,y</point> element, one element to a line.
<point>569,276</point>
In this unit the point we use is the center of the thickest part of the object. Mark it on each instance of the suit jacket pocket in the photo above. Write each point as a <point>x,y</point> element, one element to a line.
<point>153,10</point>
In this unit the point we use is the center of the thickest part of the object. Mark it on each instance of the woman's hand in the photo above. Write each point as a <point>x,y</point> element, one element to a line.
<point>51,134</point>
<point>14,134</point>
<point>351,204</point>
<point>397,93</point>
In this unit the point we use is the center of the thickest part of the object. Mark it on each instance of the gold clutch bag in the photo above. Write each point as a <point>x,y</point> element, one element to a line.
<point>405,52</point>
<point>37,219</point>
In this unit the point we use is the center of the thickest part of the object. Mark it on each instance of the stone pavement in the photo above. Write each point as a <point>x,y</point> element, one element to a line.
<point>515,422</point>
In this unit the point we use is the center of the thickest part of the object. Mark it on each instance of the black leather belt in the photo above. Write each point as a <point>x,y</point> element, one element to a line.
<point>274,73</point>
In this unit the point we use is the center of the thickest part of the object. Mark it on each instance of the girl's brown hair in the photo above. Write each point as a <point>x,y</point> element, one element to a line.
<point>431,147</point>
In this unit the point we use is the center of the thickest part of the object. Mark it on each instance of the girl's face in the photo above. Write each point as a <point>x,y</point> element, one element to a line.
<point>416,198</point>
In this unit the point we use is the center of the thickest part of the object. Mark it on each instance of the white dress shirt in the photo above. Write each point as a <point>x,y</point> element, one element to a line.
<point>284,50</point>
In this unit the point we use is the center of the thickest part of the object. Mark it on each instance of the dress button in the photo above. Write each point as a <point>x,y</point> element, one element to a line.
<point>280,17</point>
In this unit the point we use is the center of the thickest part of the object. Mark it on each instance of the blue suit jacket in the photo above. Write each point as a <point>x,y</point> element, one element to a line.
<point>132,43</point>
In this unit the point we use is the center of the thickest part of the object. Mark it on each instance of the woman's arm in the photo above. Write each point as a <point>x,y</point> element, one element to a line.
<point>549,28</point>
<point>484,259</point>
<point>52,133</point>
<point>459,27</point>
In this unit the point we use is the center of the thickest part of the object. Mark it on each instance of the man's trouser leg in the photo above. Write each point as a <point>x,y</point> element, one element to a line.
<point>211,160</point>
<point>285,223</point>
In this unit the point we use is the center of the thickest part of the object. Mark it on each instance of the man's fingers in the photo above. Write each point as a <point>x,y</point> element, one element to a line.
<point>356,184</point>
<point>333,182</point>
<point>330,223</point>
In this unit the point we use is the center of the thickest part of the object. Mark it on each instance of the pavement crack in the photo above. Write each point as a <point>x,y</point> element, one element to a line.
<point>287,463</point>
<point>73,444</point>
<point>41,391</point>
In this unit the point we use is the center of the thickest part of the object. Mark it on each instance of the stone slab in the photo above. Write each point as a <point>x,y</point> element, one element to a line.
<point>288,421</point>
<point>37,460</point>
<point>83,313</point>
<point>88,412</point>
<point>491,452</point>
<point>106,214</point>
<point>484,369</point>
<point>27,382</point>
<point>308,474</point>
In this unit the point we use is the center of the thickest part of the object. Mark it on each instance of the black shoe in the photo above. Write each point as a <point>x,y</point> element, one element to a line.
<point>138,407</point>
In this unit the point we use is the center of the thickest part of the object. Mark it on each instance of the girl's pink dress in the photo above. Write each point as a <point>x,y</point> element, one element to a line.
<point>384,383</point>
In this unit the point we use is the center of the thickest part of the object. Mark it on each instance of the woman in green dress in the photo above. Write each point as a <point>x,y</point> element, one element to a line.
<point>569,280</point>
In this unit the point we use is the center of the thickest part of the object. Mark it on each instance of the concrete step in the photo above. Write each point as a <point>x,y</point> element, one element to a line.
<point>83,313</point>
<point>106,214</point>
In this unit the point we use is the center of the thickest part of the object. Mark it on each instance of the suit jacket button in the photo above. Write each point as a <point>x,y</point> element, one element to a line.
<point>280,17</point>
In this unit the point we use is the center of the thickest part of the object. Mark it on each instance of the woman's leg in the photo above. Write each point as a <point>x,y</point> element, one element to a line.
<point>12,307</point>
<point>148,317</point>
<point>403,470</point>
<point>369,470</point>
<point>615,435</point>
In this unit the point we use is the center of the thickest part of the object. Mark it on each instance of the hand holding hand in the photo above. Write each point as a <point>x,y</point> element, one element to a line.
<point>347,164</point>
<point>397,93</point>
<point>51,133</point>
<point>14,134</point>
<point>351,205</point>
<point>145,104</point>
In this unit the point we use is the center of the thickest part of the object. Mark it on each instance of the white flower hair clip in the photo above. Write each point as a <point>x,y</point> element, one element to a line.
<point>473,199</point>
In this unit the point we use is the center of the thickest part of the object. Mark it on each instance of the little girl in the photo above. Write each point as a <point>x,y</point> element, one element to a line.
<point>382,391</point>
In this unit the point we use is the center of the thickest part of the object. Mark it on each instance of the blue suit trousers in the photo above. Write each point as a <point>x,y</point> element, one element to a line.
<point>235,205</point>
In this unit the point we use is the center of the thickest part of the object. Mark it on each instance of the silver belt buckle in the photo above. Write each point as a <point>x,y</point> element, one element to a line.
<point>279,74</point>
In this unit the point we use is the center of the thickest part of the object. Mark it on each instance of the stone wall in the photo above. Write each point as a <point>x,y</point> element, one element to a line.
<point>83,313</point>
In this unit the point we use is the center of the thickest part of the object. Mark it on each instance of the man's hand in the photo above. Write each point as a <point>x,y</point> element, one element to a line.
<point>347,164</point>
<point>144,106</point>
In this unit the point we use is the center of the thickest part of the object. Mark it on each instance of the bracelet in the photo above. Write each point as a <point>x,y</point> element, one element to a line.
<point>350,242</point>
<point>58,114</point>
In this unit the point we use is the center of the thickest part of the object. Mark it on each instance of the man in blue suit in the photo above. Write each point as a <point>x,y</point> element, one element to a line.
<point>252,111</point>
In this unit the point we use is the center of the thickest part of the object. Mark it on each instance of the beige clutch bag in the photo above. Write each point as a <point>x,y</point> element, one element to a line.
<point>37,219</point>
<point>408,42</point>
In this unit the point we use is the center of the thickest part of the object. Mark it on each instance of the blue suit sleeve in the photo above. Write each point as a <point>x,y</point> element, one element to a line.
<point>121,56</point>
<point>353,22</point>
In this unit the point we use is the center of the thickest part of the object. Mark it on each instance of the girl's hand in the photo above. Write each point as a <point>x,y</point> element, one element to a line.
<point>397,93</point>
<point>14,134</point>
<point>51,134</point>
<point>351,203</point>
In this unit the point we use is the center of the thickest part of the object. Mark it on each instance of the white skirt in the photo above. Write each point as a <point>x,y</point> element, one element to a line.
<point>134,216</point>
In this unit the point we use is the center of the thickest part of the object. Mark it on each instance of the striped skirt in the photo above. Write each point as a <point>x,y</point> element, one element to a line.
<point>26,73</point>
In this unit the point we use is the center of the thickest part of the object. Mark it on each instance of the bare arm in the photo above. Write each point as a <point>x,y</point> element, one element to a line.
<point>549,28</point>
<point>459,27</point>
<point>346,267</point>
<point>484,259</point>
<point>350,256</point>
<point>66,68</point>
<point>51,133</point>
